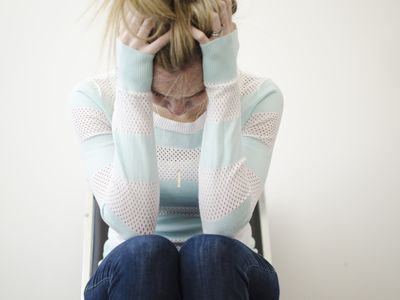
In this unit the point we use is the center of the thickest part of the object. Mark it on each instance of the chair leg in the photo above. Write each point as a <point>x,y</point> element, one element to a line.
<point>87,246</point>
<point>265,230</point>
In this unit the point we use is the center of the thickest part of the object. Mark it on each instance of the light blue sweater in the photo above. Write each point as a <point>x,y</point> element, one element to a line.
<point>152,175</point>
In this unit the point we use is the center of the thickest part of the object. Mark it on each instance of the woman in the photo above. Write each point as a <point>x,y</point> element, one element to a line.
<point>175,173</point>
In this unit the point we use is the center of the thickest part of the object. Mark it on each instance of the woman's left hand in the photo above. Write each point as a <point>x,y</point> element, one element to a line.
<point>221,24</point>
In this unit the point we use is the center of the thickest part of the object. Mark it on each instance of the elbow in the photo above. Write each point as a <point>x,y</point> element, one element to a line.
<point>230,224</point>
<point>115,222</point>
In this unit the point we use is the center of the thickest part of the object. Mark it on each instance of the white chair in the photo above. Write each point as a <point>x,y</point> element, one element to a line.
<point>95,234</point>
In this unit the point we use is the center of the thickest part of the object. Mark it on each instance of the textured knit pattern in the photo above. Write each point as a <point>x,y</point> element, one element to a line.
<point>150,174</point>
<point>223,190</point>
<point>172,160</point>
<point>223,108</point>
<point>128,111</point>
<point>89,122</point>
<point>138,214</point>
<point>263,126</point>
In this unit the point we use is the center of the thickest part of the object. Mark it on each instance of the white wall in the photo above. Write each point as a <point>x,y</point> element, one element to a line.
<point>333,186</point>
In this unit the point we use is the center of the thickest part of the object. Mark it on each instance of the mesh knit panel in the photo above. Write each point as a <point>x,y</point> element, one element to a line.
<point>89,122</point>
<point>171,160</point>
<point>129,112</point>
<point>129,201</point>
<point>224,104</point>
<point>249,83</point>
<point>263,126</point>
<point>106,86</point>
<point>99,183</point>
<point>223,190</point>
<point>256,186</point>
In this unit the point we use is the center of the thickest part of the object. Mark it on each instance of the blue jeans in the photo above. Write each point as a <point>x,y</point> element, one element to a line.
<point>207,267</point>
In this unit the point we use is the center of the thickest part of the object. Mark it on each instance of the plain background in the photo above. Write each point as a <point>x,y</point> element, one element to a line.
<point>333,185</point>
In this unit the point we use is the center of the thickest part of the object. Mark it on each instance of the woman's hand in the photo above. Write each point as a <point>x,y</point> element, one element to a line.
<point>221,24</point>
<point>141,27</point>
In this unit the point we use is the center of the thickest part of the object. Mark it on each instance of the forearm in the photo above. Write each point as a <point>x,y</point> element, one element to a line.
<point>223,181</point>
<point>119,148</point>
<point>135,181</point>
<point>234,159</point>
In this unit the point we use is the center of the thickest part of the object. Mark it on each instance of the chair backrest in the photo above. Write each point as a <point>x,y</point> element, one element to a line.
<point>100,231</point>
<point>255,223</point>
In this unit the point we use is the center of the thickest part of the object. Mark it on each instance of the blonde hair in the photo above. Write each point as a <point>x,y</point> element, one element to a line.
<point>175,14</point>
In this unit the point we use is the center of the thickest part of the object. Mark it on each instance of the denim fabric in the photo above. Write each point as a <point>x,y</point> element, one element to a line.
<point>207,267</point>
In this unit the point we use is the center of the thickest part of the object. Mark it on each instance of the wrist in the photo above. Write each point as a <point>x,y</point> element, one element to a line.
<point>134,68</point>
<point>220,59</point>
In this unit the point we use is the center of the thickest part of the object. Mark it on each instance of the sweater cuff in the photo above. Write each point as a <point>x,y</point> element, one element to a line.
<point>134,68</point>
<point>220,59</point>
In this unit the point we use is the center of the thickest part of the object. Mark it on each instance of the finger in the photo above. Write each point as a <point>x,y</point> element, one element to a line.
<point>229,9</point>
<point>199,35</point>
<point>124,24</point>
<point>146,27</point>
<point>124,34</point>
<point>216,22</point>
<point>224,18</point>
<point>135,22</point>
<point>125,37</point>
<point>159,43</point>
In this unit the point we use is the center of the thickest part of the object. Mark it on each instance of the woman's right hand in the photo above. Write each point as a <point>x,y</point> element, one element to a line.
<point>141,27</point>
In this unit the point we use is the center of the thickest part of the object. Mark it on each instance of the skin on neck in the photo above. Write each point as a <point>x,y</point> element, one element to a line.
<point>181,95</point>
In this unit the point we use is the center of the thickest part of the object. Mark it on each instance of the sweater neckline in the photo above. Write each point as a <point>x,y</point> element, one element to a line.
<point>180,127</point>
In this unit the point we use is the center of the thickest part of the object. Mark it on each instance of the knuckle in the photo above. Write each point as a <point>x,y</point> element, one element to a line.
<point>202,38</point>
<point>215,18</point>
<point>134,44</point>
<point>148,21</point>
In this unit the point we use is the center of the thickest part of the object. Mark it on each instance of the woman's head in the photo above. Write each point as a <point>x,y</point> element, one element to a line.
<point>177,80</point>
<point>176,15</point>
<point>181,94</point>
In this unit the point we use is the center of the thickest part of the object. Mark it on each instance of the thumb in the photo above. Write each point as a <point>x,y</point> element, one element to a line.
<point>159,43</point>
<point>199,35</point>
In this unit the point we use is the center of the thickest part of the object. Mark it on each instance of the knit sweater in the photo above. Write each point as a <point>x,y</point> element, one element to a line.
<point>153,175</point>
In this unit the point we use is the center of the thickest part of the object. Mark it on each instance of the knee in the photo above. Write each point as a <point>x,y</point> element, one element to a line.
<point>213,247</point>
<point>146,247</point>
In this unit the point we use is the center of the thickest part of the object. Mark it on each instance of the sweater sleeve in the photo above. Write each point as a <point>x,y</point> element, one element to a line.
<point>234,161</point>
<point>119,151</point>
